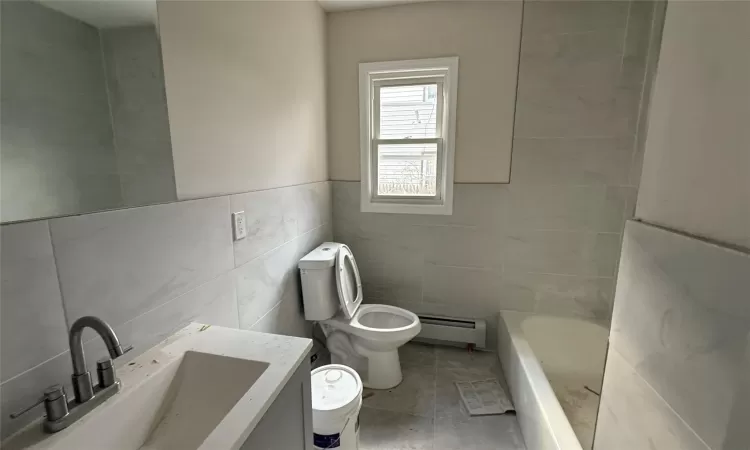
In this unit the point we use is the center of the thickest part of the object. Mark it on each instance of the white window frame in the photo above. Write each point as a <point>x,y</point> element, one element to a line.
<point>442,71</point>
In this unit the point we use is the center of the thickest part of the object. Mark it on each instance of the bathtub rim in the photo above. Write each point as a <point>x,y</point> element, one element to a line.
<point>556,422</point>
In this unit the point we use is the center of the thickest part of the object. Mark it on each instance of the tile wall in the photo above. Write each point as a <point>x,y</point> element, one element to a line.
<point>677,368</point>
<point>149,271</point>
<point>549,241</point>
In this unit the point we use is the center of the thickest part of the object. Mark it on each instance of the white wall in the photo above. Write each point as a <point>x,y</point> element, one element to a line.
<point>696,174</point>
<point>484,35</point>
<point>245,87</point>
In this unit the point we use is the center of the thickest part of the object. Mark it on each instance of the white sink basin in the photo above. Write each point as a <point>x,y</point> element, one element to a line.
<point>198,390</point>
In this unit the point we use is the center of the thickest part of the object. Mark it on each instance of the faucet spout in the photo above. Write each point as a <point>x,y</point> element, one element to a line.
<point>82,384</point>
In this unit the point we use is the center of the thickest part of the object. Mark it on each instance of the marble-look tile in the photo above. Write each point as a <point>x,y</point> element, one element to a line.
<point>33,325</point>
<point>566,208</point>
<point>213,303</point>
<point>561,252</point>
<point>416,393</point>
<point>557,17</point>
<point>682,320</point>
<point>476,290</point>
<point>566,295</point>
<point>271,221</point>
<point>633,416</point>
<point>463,247</point>
<point>479,433</point>
<point>23,390</point>
<point>388,430</point>
<point>263,282</point>
<point>572,161</point>
<point>311,205</point>
<point>457,364</point>
<point>572,59</point>
<point>576,111</point>
<point>119,264</point>
<point>286,318</point>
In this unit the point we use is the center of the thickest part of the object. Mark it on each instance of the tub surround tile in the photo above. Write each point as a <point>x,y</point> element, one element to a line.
<point>31,309</point>
<point>682,320</point>
<point>475,289</point>
<point>117,265</point>
<point>632,415</point>
<point>573,161</point>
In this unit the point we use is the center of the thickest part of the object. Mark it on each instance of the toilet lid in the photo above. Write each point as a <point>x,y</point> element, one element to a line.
<point>348,283</point>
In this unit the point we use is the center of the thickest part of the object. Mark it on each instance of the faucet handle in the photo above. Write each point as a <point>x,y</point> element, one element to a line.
<point>55,403</point>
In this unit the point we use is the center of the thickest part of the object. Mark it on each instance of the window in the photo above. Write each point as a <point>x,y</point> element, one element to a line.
<point>407,129</point>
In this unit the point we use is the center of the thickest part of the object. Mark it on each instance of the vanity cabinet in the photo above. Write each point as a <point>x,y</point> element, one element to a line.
<point>287,425</point>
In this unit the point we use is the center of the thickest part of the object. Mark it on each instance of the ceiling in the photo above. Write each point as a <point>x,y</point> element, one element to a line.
<point>349,5</point>
<point>107,13</point>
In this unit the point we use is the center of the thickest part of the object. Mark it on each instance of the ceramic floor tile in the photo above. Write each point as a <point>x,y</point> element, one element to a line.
<point>479,433</point>
<point>415,394</point>
<point>387,430</point>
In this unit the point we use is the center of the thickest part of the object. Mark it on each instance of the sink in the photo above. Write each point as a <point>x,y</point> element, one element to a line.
<point>186,404</point>
<point>199,389</point>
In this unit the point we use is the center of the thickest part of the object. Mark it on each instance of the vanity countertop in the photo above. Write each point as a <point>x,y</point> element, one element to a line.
<point>283,354</point>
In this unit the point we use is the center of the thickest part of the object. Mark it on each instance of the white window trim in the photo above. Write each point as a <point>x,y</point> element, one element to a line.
<point>369,74</point>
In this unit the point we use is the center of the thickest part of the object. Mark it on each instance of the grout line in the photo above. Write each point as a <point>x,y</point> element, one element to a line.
<point>35,367</point>
<point>59,280</point>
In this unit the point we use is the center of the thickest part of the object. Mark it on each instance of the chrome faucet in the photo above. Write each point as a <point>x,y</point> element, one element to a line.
<point>60,412</point>
<point>82,385</point>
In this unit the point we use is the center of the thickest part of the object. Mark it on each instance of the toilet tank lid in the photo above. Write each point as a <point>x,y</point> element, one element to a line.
<point>323,257</point>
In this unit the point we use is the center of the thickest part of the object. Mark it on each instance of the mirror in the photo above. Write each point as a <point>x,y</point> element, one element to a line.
<point>84,113</point>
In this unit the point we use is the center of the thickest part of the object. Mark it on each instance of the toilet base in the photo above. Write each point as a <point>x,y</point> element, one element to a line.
<point>383,369</point>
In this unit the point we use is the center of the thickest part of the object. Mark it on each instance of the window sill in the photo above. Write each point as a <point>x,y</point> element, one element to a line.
<point>405,208</point>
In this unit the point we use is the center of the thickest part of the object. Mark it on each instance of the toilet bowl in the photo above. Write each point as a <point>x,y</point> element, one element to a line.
<point>376,332</point>
<point>365,337</point>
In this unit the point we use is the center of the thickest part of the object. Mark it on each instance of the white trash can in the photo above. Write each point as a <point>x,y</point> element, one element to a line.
<point>336,400</point>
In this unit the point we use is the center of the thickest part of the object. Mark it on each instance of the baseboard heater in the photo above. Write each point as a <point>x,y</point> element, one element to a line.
<point>453,330</point>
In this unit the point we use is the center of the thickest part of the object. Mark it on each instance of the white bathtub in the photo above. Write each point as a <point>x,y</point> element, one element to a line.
<point>550,364</point>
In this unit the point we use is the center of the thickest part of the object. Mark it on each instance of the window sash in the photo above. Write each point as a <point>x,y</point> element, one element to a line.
<point>376,85</point>
<point>414,199</point>
<point>406,79</point>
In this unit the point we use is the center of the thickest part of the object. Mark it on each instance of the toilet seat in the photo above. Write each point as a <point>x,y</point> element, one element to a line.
<point>378,323</point>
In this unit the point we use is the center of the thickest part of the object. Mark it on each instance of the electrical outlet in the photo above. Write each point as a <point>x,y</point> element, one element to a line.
<point>239,225</point>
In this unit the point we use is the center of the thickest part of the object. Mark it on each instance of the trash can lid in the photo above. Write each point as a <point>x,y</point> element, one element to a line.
<point>335,387</point>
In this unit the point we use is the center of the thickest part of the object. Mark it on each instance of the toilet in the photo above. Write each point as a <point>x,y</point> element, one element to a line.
<point>364,337</point>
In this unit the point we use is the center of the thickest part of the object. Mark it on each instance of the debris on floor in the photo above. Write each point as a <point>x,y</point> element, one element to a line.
<point>484,397</point>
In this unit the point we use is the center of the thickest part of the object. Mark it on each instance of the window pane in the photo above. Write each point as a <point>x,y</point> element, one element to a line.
<point>408,111</point>
<point>407,169</point>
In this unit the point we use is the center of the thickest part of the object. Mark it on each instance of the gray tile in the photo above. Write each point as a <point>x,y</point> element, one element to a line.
<point>457,364</point>
<point>263,282</point>
<point>572,161</point>
<point>554,17</point>
<point>213,303</point>
<point>633,416</point>
<point>476,290</point>
<point>286,317</point>
<point>479,433</point>
<point>561,252</point>
<point>25,389</point>
<point>575,59</point>
<point>463,246</point>
<point>271,221</point>
<point>566,295</point>
<point>566,208</point>
<point>311,205</point>
<point>118,265</point>
<point>576,111</point>
<point>416,393</point>
<point>33,323</point>
<point>682,319</point>
<point>387,430</point>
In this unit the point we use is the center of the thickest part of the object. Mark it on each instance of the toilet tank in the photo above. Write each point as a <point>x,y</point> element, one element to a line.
<point>319,293</point>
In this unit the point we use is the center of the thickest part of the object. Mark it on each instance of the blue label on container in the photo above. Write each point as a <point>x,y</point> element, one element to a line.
<point>326,440</point>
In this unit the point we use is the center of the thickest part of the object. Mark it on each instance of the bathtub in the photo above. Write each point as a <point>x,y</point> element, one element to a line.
<point>554,368</point>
